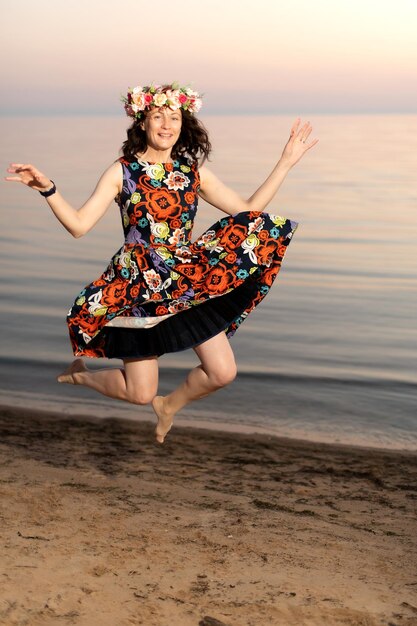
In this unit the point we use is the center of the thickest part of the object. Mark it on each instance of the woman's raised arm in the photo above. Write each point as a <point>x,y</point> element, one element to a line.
<point>222,197</point>
<point>76,221</point>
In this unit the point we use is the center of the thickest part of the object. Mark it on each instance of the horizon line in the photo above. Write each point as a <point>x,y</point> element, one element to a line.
<point>206,113</point>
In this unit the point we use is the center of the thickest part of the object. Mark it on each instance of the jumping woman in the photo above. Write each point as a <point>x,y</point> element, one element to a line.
<point>162,292</point>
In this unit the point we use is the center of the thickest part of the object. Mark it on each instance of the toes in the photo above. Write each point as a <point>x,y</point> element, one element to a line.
<point>160,437</point>
<point>65,378</point>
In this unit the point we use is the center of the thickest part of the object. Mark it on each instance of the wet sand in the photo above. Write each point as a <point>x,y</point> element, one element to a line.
<point>101,526</point>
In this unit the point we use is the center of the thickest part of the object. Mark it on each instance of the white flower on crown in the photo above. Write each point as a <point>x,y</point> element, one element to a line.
<point>137,89</point>
<point>173,99</point>
<point>159,99</point>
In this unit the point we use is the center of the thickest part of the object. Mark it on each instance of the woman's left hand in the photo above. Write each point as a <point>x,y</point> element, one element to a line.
<point>296,145</point>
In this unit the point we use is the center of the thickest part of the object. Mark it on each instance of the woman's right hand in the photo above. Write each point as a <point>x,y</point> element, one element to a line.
<point>30,176</point>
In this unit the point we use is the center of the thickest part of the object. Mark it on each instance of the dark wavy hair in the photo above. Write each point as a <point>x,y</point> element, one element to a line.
<point>193,141</point>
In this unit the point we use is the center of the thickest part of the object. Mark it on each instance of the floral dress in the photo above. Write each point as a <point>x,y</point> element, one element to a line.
<point>162,292</point>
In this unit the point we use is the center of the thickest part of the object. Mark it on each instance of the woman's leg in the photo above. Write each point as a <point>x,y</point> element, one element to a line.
<point>217,369</point>
<point>136,383</point>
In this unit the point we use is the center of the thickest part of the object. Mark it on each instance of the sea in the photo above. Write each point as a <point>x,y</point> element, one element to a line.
<point>328,356</point>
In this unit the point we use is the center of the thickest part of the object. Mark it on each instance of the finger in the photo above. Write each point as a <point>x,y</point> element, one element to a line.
<point>295,126</point>
<point>31,169</point>
<point>305,131</point>
<point>313,143</point>
<point>13,178</point>
<point>23,167</point>
<point>301,132</point>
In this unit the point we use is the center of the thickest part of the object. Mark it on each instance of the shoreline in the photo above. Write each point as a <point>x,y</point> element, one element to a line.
<point>102,526</point>
<point>193,424</point>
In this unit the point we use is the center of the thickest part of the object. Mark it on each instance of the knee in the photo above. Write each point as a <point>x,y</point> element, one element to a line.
<point>140,396</point>
<point>224,374</point>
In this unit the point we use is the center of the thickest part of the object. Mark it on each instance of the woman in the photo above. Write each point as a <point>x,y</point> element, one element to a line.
<point>161,292</point>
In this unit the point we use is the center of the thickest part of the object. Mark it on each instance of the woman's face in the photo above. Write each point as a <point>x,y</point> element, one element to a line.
<point>162,127</point>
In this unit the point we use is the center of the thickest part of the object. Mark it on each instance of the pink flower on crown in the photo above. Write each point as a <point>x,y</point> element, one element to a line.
<point>182,98</point>
<point>195,105</point>
<point>138,99</point>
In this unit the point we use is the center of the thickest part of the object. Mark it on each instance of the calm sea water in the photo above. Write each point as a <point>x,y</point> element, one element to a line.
<point>329,355</point>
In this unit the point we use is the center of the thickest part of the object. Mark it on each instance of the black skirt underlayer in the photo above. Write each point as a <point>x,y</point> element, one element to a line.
<point>183,330</point>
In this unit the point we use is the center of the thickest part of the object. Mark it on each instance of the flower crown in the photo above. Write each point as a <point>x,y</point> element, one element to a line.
<point>140,99</point>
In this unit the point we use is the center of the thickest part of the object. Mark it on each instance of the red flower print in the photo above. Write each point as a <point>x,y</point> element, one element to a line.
<point>264,252</point>
<point>282,250</point>
<point>219,279</point>
<point>270,273</point>
<point>164,204</point>
<point>141,258</point>
<point>194,271</point>
<point>233,235</point>
<point>85,320</point>
<point>115,294</point>
<point>230,257</point>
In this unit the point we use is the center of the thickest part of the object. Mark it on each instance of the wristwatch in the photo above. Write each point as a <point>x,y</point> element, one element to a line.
<point>45,194</point>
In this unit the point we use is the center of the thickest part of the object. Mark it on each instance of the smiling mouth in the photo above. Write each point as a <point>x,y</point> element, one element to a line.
<point>167,135</point>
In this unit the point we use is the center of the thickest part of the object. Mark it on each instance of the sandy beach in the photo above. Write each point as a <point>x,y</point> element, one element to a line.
<point>101,526</point>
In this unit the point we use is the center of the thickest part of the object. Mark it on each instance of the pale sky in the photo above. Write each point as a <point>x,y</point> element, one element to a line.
<point>258,56</point>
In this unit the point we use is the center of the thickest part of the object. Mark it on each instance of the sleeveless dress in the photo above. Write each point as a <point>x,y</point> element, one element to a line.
<point>163,293</point>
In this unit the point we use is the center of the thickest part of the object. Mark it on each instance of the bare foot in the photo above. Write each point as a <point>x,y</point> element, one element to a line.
<point>68,375</point>
<point>164,419</point>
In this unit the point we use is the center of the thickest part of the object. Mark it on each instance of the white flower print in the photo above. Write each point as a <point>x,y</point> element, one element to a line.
<point>95,302</point>
<point>178,305</point>
<point>177,180</point>
<point>158,229</point>
<point>184,254</point>
<point>256,225</point>
<point>109,275</point>
<point>248,246</point>
<point>153,280</point>
<point>177,236</point>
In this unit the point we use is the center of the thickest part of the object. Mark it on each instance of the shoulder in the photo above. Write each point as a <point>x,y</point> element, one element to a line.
<point>206,175</point>
<point>113,175</point>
